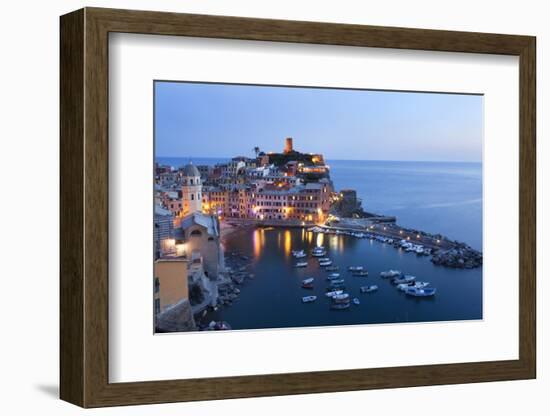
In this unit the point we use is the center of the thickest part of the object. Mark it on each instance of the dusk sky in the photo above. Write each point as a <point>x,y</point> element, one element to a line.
<point>221,120</point>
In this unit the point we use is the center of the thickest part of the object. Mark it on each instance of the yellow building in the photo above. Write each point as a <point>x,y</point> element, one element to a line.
<point>170,282</point>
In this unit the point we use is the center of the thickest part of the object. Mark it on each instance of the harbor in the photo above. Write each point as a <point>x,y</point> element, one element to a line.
<point>271,288</point>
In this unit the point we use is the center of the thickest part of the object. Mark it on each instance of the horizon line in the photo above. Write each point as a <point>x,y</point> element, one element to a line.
<point>343,160</point>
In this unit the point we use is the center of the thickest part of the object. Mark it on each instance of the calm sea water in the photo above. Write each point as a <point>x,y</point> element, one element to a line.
<point>443,198</point>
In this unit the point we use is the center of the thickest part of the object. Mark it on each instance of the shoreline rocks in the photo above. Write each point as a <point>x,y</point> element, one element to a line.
<point>459,257</point>
<point>177,318</point>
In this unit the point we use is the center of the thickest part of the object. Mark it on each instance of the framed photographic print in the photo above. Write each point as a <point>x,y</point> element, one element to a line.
<point>255,207</point>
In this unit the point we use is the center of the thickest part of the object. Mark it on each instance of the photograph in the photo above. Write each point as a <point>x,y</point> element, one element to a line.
<point>283,206</point>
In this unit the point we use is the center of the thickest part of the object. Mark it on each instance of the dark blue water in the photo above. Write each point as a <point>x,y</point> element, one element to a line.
<point>441,198</point>
<point>273,298</point>
<point>438,197</point>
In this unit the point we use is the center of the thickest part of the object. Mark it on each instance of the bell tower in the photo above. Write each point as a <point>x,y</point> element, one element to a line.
<point>191,190</point>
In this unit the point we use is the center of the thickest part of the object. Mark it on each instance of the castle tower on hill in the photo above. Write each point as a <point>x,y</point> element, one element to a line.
<point>288,145</point>
<point>191,190</point>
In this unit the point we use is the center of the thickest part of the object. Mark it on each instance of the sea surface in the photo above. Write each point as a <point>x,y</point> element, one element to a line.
<point>437,197</point>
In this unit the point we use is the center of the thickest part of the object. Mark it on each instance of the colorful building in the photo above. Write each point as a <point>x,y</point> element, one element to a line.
<point>170,285</point>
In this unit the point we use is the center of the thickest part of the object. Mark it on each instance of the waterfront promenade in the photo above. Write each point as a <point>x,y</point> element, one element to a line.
<point>388,230</point>
<point>397,232</point>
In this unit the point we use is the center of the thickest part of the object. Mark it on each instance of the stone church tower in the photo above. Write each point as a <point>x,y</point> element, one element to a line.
<point>191,190</point>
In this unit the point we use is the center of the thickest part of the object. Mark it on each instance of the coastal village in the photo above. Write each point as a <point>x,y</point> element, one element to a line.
<point>196,204</point>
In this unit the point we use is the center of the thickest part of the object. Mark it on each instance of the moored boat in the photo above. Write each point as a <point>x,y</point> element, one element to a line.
<point>360,273</point>
<point>336,282</point>
<point>342,297</point>
<point>217,326</point>
<point>390,273</point>
<point>325,263</point>
<point>368,289</point>
<point>333,293</point>
<point>355,268</point>
<point>428,291</point>
<point>356,301</point>
<point>318,251</point>
<point>307,283</point>
<point>301,264</point>
<point>415,285</point>
<point>332,276</point>
<point>405,279</point>
<point>307,299</point>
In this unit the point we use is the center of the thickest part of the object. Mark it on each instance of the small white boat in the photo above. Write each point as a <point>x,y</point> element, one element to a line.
<point>428,291</point>
<point>318,253</point>
<point>416,285</point>
<point>308,281</point>
<point>355,268</point>
<point>341,297</point>
<point>405,279</point>
<point>301,264</point>
<point>334,293</point>
<point>307,299</point>
<point>300,255</point>
<point>323,259</point>
<point>356,301</point>
<point>325,263</point>
<point>333,276</point>
<point>390,273</point>
<point>307,285</point>
<point>368,289</point>
<point>419,250</point>
<point>337,282</point>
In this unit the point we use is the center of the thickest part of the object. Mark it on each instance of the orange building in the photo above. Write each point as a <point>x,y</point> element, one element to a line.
<point>170,282</point>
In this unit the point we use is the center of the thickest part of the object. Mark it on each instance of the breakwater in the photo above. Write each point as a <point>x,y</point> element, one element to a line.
<point>443,251</point>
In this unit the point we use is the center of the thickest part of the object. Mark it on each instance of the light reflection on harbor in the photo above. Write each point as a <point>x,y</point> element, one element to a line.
<point>288,242</point>
<point>258,242</point>
<point>272,299</point>
<point>320,239</point>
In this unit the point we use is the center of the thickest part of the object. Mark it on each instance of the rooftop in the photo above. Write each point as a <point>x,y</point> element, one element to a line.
<point>190,170</point>
<point>198,218</point>
<point>161,211</point>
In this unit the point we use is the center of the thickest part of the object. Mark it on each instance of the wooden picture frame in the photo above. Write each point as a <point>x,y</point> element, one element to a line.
<point>84,207</point>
